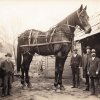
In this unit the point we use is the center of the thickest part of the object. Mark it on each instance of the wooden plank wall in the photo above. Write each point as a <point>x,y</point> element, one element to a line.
<point>50,67</point>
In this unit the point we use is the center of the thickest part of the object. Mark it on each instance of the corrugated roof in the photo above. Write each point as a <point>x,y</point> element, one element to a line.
<point>95,23</point>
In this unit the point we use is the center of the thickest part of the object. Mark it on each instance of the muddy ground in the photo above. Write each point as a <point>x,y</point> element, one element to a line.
<point>42,89</point>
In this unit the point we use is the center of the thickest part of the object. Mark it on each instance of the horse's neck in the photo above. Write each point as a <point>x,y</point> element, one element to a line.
<point>72,20</point>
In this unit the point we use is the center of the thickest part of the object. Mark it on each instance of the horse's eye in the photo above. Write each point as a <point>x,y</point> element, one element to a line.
<point>82,15</point>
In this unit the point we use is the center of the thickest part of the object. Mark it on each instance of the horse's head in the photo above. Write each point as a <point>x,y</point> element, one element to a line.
<point>83,21</point>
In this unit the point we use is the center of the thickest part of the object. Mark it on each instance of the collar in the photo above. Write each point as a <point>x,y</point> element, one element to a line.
<point>93,58</point>
<point>75,55</point>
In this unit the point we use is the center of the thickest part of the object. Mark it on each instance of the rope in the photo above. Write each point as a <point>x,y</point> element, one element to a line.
<point>79,15</point>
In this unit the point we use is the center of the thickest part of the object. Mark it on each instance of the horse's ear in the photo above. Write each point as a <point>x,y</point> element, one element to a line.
<point>85,7</point>
<point>81,8</point>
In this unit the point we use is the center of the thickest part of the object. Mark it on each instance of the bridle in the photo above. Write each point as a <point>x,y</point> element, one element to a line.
<point>78,14</point>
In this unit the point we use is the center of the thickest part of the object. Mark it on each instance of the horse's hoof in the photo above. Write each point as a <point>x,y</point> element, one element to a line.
<point>24,87</point>
<point>29,85</point>
<point>62,87</point>
<point>55,88</point>
<point>58,90</point>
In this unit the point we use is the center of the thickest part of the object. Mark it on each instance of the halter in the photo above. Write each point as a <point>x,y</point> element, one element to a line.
<point>78,18</point>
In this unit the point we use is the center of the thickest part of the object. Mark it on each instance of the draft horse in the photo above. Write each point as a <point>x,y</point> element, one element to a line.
<point>56,41</point>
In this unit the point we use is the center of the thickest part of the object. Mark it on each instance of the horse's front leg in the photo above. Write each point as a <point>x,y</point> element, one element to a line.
<point>27,66</point>
<point>60,61</point>
<point>61,68</point>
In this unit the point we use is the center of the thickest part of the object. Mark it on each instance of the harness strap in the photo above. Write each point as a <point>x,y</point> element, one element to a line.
<point>36,43</point>
<point>29,38</point>
<point>52,34</point>
<point>78,14</point>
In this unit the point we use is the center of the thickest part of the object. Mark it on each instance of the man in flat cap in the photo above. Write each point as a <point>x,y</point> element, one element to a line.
<point>85,60</point>
<point>8,71</point>
<point>75,64</point>
<point>94,72</point>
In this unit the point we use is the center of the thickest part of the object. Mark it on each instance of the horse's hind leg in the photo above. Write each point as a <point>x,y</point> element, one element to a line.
<point>22,77</point>
<point>61,68</point>
<point>25,69</point>
<point>56,73</point>
<point>27,65</point>
<point>27,79</point>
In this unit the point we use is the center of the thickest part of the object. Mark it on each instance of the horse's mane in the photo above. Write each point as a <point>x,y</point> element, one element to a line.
<point>63,25</point>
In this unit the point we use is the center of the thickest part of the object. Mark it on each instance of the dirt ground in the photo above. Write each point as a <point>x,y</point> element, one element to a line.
<point>42,89</point>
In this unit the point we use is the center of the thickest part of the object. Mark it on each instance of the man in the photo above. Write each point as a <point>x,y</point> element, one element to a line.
<point>75,64</point>
<point>8,71</point>
<point>94,72</point>
<point>85,60</point>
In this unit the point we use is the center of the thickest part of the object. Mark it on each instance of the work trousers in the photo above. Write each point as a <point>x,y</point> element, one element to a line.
<point>7,84</point>
<point>76,76</point>
<point>95,85</point>
<point>87,82</point>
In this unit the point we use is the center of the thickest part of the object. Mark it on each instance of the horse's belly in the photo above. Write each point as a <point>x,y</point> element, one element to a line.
<point>44,50</point>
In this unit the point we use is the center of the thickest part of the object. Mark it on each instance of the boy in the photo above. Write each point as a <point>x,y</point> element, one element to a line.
<point>7,68</point>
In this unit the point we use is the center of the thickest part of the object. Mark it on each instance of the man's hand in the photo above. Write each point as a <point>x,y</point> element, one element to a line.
<point>88,73</point>
<point>97,72</point>
<point>79,67</point>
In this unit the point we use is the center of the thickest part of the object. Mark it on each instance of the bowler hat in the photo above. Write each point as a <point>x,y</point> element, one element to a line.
<point>8,54</point>
<point>88,47</point>
<point>93,51</point>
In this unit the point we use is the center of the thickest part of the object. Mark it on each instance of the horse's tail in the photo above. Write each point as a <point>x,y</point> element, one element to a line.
<point>19,58</point>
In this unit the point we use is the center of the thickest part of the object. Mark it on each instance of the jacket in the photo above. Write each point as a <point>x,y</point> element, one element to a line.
<point>85,60</point>
<point>93,67</point>
<point>7,66</point>
<point>76,61</point>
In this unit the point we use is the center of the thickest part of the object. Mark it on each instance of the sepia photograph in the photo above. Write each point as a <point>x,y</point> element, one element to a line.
<point>49,50</point>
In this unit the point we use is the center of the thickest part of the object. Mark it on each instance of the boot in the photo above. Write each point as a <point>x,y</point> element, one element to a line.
<point>9,92</point>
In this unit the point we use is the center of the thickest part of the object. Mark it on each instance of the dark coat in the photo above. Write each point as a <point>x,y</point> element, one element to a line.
<point>76,61</point>
<point>85,61</point>
<point>93,66</point>
<point>7,66</point>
